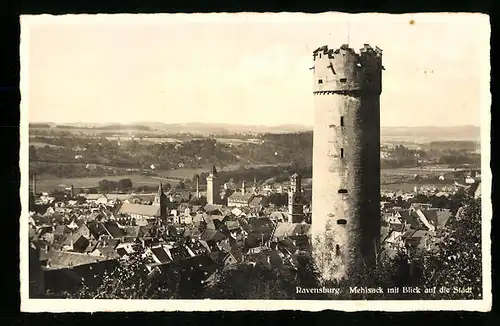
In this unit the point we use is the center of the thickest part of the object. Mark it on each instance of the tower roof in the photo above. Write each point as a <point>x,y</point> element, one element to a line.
<point>214,170</point>
<point>160,190</point>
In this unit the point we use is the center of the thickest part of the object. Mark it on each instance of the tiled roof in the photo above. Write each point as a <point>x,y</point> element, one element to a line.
<point>437,217</point>
<point>411,219</point>
<point>63,259</point>
<point>278,215</point>
<point>92,196</point>
<point>284,229</point>
<point>237,197</point>
<point>161,254</point>
<point>210,208</point>
<point>121,197</point>
<point>145,210</point>
<point>179,253</point>
<point>399,227</point>
<point>232,225</point>
<point>114,230</point>
<point>132,231</point>
<point>212,235</point>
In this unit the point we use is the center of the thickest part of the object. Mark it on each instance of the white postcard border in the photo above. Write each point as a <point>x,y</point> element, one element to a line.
<point>81,305</point>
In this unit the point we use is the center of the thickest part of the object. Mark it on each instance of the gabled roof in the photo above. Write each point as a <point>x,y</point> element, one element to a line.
<point>113,229</point>
<point>398,227</point>
<point>138,209</point>
<point>212,235</point>
<point>437,217</point>
<point>179,253</point>
<point>212,207</point>
<point>97,229</point>
<point>161,255</point>
<point>64,259</point>
<point>237,197</point>
<point>284,229</point>
<point>411,218</point>
<point>132,231</point>
<point>232,225</point>
<point>92,196</point>
<point>278,215</point>
<point>83,230</point>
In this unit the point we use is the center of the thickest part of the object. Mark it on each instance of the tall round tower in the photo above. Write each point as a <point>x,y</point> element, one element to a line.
<point>346,159</point>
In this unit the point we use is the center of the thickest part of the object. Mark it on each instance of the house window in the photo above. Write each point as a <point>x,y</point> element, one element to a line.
<point>341,152</point>
<point>320,81</point>
<point>341,221</point>
<point>337,250</point>
<point>341,121</point>
<point>343,80</point>
<point>342,191</point>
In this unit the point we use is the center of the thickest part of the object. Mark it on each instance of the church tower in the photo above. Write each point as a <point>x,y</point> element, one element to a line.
<point>213,189</point>
<point>197,187</point>
<point>295,205</point>
<point>161,200</point>
<point>346,159</point>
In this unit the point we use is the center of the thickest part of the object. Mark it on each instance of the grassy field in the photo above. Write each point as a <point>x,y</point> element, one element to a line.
<point>407,187</point>
<point>38,144</point>
<point>48,184</point>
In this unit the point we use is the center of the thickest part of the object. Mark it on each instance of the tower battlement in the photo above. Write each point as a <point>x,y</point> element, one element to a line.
<point>344,70</point>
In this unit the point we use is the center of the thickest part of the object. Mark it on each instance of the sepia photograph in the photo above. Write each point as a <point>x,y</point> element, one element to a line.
<point>273,161</point>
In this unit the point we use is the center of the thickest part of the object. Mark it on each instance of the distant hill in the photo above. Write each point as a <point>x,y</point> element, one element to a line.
<point>387,133</point>
<point>192,127</point>
<point>472,133</point>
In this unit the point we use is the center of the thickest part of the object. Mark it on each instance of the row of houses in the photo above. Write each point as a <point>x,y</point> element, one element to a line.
<point>416,228</point>
<point>97,233</point>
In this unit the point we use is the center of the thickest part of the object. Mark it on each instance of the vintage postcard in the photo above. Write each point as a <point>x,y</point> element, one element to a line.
<point>194,162</point>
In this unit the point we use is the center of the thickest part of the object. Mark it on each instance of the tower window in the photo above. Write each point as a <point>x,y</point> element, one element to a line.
<point>342,152</point>
<point>320,81</point>
<point>337,250</point>
<point>343,80</point>
<point>341,221</point>
<point>320,55</point>
<point>341,121</point>
<point>342,191</point>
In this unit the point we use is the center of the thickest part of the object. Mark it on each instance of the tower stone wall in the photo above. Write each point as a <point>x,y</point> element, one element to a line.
<point>295,204</point>
<point>213,188</point>
<point>346,159</point>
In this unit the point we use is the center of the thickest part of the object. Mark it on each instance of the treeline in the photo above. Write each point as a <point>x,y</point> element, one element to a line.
<point>456,144</point>
<point>110,185</point>
<point>40,125</point>
<point>263,175</point>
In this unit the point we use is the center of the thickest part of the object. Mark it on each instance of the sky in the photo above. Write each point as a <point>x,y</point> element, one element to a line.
<point>245,68</point>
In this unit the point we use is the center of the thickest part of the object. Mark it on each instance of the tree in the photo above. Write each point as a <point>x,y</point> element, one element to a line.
<point>125,184</point>
<point>132,280</point>
<point>181,185</point>
<point>456,260</point>
<point>250,282</point>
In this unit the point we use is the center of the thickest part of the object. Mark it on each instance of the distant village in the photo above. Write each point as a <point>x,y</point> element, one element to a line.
<point>79,236</point>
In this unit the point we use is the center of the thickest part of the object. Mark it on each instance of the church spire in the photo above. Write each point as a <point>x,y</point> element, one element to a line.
<point>214,170</point>
<point>160,190</point>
